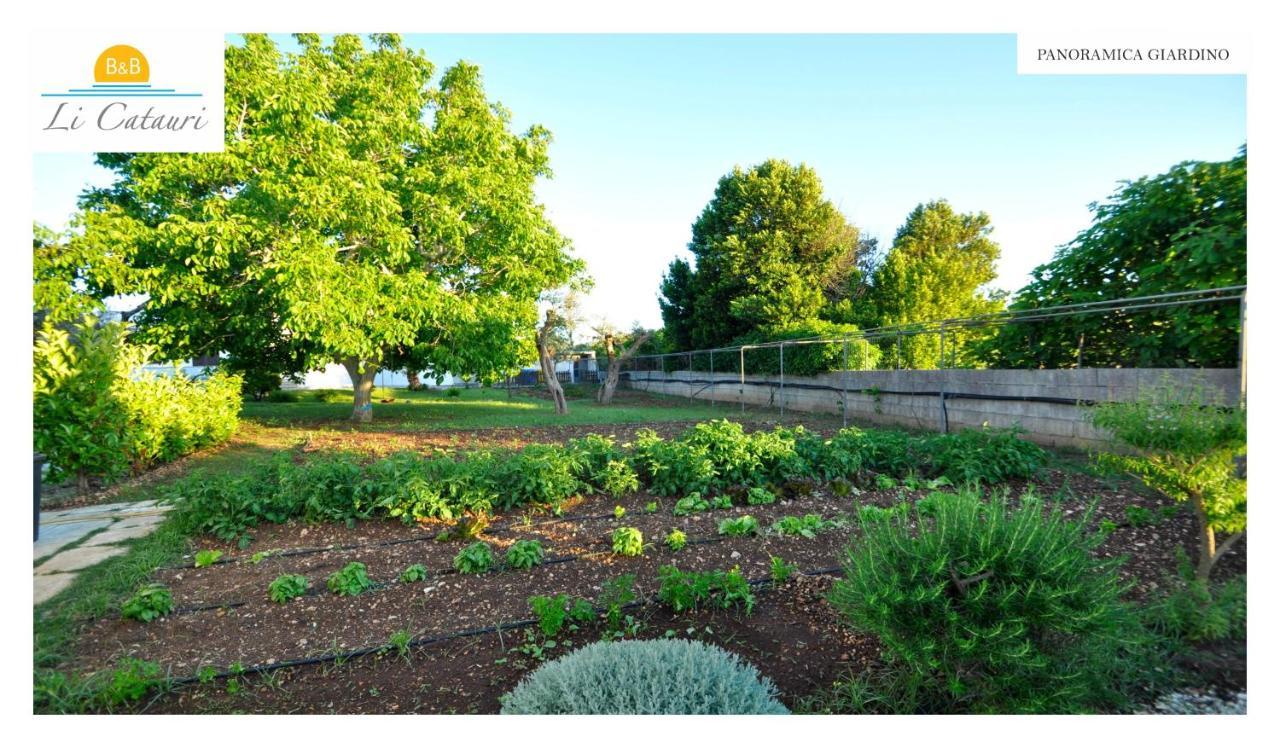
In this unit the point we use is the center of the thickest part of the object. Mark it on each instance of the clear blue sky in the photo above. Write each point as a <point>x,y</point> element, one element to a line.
<point>645,125</point>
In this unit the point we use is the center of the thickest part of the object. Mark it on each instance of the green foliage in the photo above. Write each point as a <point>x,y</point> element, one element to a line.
<point>758,496</point>
<point>1196,612</point>
<point>207,558</point>
<point>1184,229</point>
<point>615,595</point>
<point>325,489</point>
<point>288,586</point>
<point>779,570</point>
<point>985,455</point>
<point>524,554</point>
<point>150,602</point>
<point>805,360</point>
<point>690,504</point>
<point>938,267</point>
<point>351,173</point>
<point>670,467</point>
<point>651,507</point>
<point>130,681</point>
<point>869,513</point>
<point>476,558</point>
<point>400,641</point>
<point>676,540</point>
<point>619,512</point>
<point>886,482</point>
<point>627,541</point>
<point>413,573</point>
<point>94,417</point>
<point>765,249</point>
<point>350,580</point>
<point>807,526</point>
<point>551,612</point>
<point>1186,448</point>
<point>739,526</point>
<point>538,474</point>
<point>1139,516</point>
<point>989,608</point>
<point>602,465</point>
<point>668,676</point>
<point>688,590</point>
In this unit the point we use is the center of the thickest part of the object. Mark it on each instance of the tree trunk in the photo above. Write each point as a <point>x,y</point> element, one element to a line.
<point>1206,544</point>
<point>415,382</point>
<point>546,359</point>
<point>605,395</point>
<point>362,387</point>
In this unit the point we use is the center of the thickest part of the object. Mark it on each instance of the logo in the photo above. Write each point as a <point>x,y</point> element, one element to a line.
<point>115,104</point>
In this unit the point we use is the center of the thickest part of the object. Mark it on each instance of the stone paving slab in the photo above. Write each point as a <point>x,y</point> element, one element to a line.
<point>55,537</point>
<point>80,558</point>
<point>48,585</point>
<point>118,534</point>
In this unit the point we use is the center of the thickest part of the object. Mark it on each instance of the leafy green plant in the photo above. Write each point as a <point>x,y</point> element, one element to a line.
<point>551,612</point>
<point>871,513</point>
<point>615,595</point>
<point>627,541</point>
<point>665,676</point>
<point>886,482</point>
<point>207,558</point>
<point>721,502</point>
<point>687,590</point>
<point>651,507</point>
<point>1139,516</point>
<point>150,602</point>
<point>1186,447</point>
<point>618,512</point>
<point>260,556</point>
<point>1193,611</point>
<point>286,587</point>
<point>350,580</point>
<point>524,554</point>
<point>807,526</point>
<point>779,570</point>
<point>758,496</point>
<point>990,607</point>
<point>676,540</point>
<point>399,641</point>
<point>739,526</point>
<point>130,681</point>
<point>476,558</point>
<point>690,504</point>
<point>413,573</point>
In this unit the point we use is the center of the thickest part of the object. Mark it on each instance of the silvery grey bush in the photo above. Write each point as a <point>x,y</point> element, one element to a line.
<point>667,676</point>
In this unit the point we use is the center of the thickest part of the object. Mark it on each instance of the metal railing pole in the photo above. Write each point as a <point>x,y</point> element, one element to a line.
<point>1244,346</point>
<point>844,387</point>
<point>711,376</point>
<point>782,408</point>
<point>742,378</point>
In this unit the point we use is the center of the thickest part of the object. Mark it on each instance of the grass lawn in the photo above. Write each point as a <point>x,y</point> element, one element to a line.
<point>480,408</point>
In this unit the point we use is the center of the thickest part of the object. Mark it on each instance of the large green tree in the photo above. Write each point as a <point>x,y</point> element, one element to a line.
<point>1182,230</point>
<point>938,268</point>
<point>769,252</point>
<point>358,213</point>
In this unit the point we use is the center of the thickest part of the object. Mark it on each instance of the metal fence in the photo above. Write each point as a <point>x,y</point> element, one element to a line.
<point>883,348</point>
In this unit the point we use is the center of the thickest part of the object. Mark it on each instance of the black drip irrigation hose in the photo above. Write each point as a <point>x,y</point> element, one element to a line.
<point>871,390</point>
<point>435,639</point>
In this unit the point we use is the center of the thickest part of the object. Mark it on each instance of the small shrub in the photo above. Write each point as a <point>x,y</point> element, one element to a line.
<point>414,573</point>
<point>476,558</point>
<point>721,502</point>
<point>350,580</point>
<point>739,526</point>
<point>524,554</point>
<point>651,507</point>
<point>615,595</point>
<point>671,676</point>
<point>627,541</point>
<point>150,602</point>
<point>1139,516</point>
<point>207,558</point>
<point>886,482</point>
<point>988,607</point>
<point>870,513</point>
<point>760,496</point>
<point>551,612</point>
<point>619,512</point>
<point>453,392</point>
<point>676,540</point>
<point>286,587</point>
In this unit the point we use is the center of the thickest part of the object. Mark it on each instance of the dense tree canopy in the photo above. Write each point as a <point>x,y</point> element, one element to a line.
<point>769,251</point>
<point>357,214</point>
<point>1181,230</point>
<point>937,269</point>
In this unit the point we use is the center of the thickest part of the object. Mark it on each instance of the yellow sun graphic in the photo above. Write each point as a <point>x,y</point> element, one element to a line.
<point>121,64</point>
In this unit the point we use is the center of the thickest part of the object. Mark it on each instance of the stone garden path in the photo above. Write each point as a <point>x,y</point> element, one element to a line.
<point>88,534</point>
